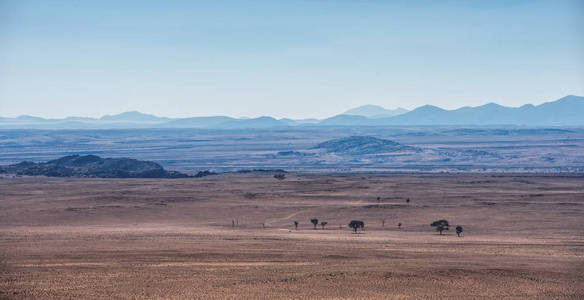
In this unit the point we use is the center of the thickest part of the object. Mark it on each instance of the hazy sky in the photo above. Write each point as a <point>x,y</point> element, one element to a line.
<point>284,58</point>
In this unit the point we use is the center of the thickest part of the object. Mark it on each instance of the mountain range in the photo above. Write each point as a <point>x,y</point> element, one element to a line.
<point>567,111</point>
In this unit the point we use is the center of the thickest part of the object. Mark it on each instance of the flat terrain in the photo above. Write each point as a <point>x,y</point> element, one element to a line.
<point>441,148</point>
<point>173,238</point>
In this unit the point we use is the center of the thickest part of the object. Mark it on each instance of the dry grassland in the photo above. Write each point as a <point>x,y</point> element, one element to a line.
<point>127,239</point>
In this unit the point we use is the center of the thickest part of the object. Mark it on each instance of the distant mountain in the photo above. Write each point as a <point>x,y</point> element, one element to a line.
<point>359,145</point>
<point>261,122</point>
<point>25,119</point>
<point>31,118</point>
<point>347,120</point>
<point>93,166</point>
<point>374,111</point>
<point>424,115</point>
<point>291,122</point>
<point>197,122</point>
<point>567,111</point>
<point>221,122</point>
<point>80,119</point>
<point>134,116</point>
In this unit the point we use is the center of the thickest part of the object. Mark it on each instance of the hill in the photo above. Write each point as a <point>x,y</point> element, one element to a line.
<point>93,166</point>
<point>358,145</point>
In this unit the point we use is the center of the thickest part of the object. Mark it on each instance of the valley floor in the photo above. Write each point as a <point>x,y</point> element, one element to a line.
<point>174,238</point>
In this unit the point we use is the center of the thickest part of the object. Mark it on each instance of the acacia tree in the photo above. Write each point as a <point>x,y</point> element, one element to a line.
<point>323,224</point>
<point>356,224</point>
<point>398,225</point>
<point>296,225</point>
<point>314,222</point>
<point>441,225</point>
<point>458,230</point>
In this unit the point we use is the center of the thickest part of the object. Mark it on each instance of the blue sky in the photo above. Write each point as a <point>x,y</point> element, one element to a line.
<point>298,59</point>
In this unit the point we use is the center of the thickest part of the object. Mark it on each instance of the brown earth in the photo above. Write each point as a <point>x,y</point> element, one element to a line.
<point>173,238</point>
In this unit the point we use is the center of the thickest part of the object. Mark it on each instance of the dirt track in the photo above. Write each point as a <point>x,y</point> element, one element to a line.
<point>91,238</point>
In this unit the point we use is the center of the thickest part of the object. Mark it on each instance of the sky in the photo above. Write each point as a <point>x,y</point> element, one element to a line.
<point>296,59</point>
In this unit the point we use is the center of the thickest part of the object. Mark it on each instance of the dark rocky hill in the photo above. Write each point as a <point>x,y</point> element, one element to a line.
<point>93,166</point>
<point>356,145</point>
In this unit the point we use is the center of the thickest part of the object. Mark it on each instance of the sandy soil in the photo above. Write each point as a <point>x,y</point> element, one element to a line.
<point>119,239</point>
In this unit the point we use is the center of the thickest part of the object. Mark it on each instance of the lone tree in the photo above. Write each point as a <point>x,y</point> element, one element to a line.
<point>441,225</point>
<point>356,224</point>
<point>398,225</point>
<point>323,224</point>
<point>314,222</point>
<point>296,225</point>
<point>408,201</point>
<point>458,230</point>
<point>280,176</point>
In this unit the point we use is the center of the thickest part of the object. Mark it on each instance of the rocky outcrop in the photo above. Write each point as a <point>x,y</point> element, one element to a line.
<point>93,166</point>
<point>358,145</point>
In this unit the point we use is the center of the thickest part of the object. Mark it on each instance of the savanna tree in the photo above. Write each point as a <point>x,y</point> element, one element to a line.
<point>441,225</point>
<point>314,222</point>
<point>458,230</point>
<point>296,225</point>
<point>356,224</point>
<point>323,224</point>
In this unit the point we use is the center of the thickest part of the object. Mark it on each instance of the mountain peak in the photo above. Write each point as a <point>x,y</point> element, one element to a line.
<point>133,116</point>
<point>570,98</point>
<point>491,104</point>
<point>374,111</point>
<point>428,108</point>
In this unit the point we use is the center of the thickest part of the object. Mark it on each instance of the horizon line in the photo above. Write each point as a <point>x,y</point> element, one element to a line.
<point>280,118</point>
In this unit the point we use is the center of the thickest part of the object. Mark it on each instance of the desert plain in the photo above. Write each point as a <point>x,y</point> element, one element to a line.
<point>232,236</point>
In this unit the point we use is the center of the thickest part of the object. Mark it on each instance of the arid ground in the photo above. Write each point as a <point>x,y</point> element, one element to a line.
<point>174,238</point>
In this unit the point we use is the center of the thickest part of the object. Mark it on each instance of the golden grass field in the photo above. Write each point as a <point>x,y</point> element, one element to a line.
<point>148,238</point>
